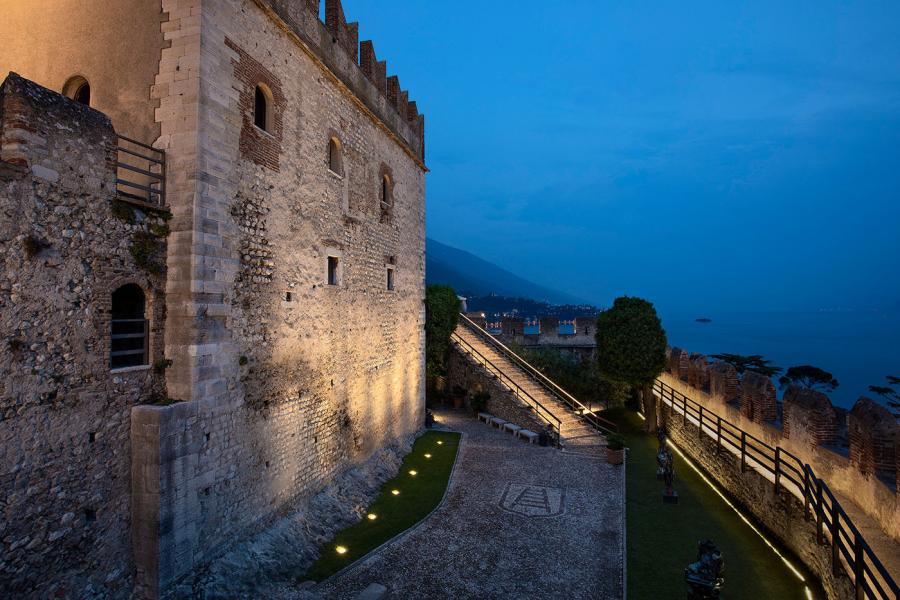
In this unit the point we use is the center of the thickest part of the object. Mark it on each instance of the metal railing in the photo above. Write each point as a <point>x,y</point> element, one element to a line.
<point>554,422</point>
<point>849,550</point>
<point>140,172</point>
<point>586,413</point>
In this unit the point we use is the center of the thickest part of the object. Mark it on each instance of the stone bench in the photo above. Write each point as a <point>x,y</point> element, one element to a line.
<point>511,427</point>
<point>525,434</point>
<point>498,422</point>
<point>486,417</point>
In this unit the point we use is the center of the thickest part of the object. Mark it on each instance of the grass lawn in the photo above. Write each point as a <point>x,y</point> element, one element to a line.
<point>662,538</point>
<point>431,459</point>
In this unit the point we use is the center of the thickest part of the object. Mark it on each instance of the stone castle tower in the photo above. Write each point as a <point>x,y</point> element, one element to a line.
<point>211,278</point>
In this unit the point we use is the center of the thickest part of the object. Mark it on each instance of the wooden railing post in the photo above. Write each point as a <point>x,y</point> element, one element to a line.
<point>684,409</point>
<point>777,467</point>
<point>700,433</point>
<point>835,539</point>
<point>805,493</point>
<point>718,433</point>
<point>858,571</point>
<point>820,512</point>
<point>743,451</point>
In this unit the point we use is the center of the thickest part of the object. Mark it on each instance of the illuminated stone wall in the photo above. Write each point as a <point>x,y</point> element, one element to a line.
<point>285,381</point>
<point>863,467</point>
<point>292,380</point>
<point>65,459</point>
<point>780,513</point>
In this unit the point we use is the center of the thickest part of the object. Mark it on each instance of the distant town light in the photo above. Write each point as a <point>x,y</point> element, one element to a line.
<point>341,550</point>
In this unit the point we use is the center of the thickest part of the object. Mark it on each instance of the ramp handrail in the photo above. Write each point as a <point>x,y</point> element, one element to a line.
<point>585,413</point>
<point>554,422</point>
<point>850,550</point>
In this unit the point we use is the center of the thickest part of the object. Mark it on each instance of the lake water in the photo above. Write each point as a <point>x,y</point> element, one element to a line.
<point>858,347</point>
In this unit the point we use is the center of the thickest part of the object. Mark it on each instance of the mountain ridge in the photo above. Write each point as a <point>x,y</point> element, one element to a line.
<point>471,275</point>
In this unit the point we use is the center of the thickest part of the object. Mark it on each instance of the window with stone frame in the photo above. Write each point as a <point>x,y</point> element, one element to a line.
<point>390,279</point>
<point>335,158</point>
<point>129,328</point>
<point>334,274</point>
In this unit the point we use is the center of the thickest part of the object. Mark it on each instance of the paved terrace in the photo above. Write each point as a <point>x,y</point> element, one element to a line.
<point>519,521</point>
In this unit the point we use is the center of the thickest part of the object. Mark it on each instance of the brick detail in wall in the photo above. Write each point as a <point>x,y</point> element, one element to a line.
<point>698,372</point>
<point>758,398</point>
<point>261,147</point>
<point>723,381</point>
<point>679,363</point>
<point>342,33</point>
<point>809,413</point>
<point>873,435</point>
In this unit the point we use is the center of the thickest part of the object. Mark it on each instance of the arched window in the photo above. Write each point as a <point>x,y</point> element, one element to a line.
<point>387,197</point>
<point>78,89</point>
<point>129,334</point>
<point>262,99</point>
<point>335,160</point>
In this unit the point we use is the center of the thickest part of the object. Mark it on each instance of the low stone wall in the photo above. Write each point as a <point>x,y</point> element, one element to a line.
<point>780,512</point>
<point>845,474</point>
<point>466,373</point>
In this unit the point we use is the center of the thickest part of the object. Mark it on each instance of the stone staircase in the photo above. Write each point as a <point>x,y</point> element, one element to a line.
<point>577,434</point>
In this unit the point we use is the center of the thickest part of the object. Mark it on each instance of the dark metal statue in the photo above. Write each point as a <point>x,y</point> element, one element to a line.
<point>704,577</point>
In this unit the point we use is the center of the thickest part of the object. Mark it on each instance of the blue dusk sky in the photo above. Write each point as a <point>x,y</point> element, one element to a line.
<point>700,154</point>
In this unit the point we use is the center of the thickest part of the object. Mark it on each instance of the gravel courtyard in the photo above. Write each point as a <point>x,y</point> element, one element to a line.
<point>519,521</point>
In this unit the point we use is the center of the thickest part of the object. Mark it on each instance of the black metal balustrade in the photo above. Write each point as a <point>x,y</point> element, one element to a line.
<point>849,550</point>
<point>586,413</point>
<point>554,422</point>
<point>140,172</point>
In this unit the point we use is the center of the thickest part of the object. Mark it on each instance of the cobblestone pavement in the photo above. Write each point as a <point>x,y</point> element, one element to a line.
<point>519,521</point>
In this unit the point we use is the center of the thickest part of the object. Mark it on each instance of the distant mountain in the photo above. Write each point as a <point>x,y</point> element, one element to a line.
<point>473,276</point>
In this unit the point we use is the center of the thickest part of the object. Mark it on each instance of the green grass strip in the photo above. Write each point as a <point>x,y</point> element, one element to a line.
<point>432,459</point>
<point>662,538</point>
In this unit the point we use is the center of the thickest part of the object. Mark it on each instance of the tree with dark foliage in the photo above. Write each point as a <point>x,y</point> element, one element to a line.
<point>441,316</point>
<point>890,392</point>
<point>809,377</point>
<point>631,348</point>
<point>751,362</point>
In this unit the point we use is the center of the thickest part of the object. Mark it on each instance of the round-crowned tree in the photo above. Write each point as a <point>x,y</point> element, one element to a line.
<point>441,316</point>
<point>631,347</point>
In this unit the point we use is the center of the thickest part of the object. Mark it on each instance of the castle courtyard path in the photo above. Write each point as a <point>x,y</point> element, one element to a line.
<point>518,521</point>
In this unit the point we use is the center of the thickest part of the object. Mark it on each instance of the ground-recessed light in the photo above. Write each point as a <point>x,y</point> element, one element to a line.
<point>440,443</point>
<point>341,550</point>
<point>372,516</point>
<point>395,492</point>
<point>427,456</point>
<point>413,473</point>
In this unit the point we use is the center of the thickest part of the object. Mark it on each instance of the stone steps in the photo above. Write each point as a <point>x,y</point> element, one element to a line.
<point>575,434</point>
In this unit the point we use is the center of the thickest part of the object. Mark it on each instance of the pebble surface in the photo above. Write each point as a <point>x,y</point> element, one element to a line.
<point>479,543</point>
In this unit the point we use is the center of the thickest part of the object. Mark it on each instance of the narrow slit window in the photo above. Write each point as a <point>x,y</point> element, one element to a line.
<point>335,161</point>
<point>129,339</point>
<point>333,274</point>
<point>261,108</point>
<point>390,280</point>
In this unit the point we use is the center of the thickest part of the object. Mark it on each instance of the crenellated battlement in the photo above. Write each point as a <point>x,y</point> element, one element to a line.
<point>336,43</point>
<point>856,451</point>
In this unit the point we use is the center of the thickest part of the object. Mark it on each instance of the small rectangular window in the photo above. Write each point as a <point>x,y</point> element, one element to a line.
<point>333,270</point>
<point>390,280</point>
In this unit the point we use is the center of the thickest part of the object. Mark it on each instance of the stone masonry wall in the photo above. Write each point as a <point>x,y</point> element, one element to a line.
<point>869,493</point>
<point>779,512</point>
<point>463,371</point>
<point>65,245</point>
<point>292,380</point>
